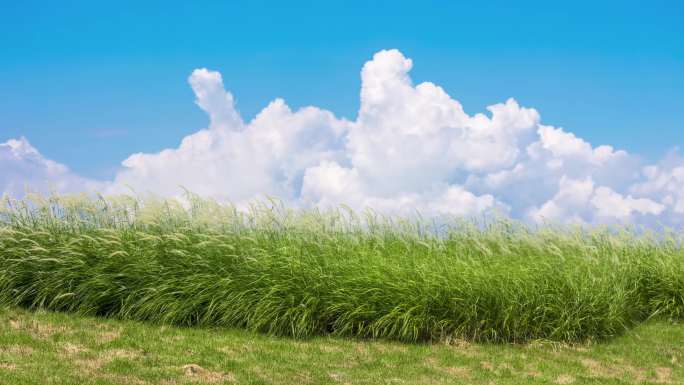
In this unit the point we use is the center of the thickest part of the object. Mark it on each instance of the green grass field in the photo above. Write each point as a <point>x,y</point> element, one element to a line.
<point>493,301</point>
<point>57,348</point>
<point>304,273</point>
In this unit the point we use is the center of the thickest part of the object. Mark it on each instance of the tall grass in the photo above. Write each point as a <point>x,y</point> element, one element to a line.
<point>307,272</point>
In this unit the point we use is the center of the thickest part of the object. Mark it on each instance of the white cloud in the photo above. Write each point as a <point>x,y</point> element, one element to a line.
<point>569,204</point>
<point>565,145</point>
<point>664,182</point>
<point>610,204</point>
<point>411,147</point>
<point>23,168</point>
<point>408,137</point>
<point>238,161</point>
<point>329,185</point>
<point>580,201</point>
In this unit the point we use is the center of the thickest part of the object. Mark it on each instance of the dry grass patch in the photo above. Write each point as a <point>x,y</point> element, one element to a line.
<point>327,348</point>
<point>303,378</point>
<point>233,354</point>
<point>663,375</point>
<point>336,377</point>
<point>564,379</point>
<point>227,357</point>
<point>35,328</point>
<point>458,372</point>
<point>237,352</point>
<point>599,369</point>
<point>201,374</point>
<point>108,336</point>
<point>94,365</point>
<point>454,371</point>
<point>72,349</point>
<point>7,366</point>
<point>487,365</point>
<point>128,354</point>
<point>19,350</point>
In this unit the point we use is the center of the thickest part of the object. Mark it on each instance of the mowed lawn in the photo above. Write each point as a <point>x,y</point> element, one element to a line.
<point>56,348</point>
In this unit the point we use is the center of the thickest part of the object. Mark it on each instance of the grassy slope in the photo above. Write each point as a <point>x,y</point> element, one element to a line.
<point>56,348</point>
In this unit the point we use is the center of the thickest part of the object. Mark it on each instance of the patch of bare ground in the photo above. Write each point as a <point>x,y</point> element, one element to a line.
<point>196,372</point>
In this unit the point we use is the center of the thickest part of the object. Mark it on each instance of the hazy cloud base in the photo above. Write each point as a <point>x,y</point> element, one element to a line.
<point>411,147</point>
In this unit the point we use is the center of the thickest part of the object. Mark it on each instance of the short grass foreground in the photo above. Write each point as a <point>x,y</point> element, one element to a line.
<point>306,273</point>
<point>58,348</point>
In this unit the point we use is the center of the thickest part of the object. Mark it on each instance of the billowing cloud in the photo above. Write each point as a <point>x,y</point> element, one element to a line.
<point>330,184</point>
<point>411,147</point>
<point>235,160</point>
<point>664,182</point>
<point>581,201</point>
<point>23,168</point>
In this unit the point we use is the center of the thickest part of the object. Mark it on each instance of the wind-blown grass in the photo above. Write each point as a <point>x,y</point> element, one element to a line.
<point>306,272</point>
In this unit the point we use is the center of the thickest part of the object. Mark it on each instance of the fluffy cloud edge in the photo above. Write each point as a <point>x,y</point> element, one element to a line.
<point>411,148</point>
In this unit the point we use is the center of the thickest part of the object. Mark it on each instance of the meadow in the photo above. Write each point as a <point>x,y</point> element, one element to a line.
<point>54,348</point>
<point>304,273</point>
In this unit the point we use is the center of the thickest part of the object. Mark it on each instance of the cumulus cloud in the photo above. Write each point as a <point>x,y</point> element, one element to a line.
<point>411,147</point>
<point>330,184</point>
<point>580,201</point>
<point>23,168</point>
<point>235,160</point>
<point>664,182</point>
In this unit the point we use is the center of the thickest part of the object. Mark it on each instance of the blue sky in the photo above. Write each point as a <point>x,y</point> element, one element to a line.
<point>89,83</point>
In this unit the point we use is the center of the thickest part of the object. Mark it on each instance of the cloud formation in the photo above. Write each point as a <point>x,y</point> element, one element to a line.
<point>411,147</point>
<point>23,168</point>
